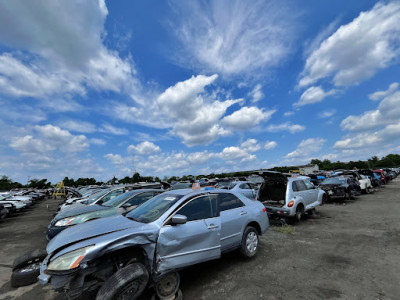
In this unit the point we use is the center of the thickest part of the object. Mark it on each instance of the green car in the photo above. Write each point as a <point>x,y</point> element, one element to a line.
<point>121,204</point>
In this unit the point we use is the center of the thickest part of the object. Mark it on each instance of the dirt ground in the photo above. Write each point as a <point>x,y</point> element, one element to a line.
<point>349,251</point>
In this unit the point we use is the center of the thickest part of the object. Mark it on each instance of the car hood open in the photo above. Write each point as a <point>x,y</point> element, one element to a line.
<point>93,229</point>
<point>271,176</point>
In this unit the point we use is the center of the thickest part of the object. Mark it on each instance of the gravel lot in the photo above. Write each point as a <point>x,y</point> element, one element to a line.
<point>348,251</point>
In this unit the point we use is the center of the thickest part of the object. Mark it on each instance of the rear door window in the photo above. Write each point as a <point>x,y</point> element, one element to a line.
<point>300,185</point>
<point>229,201</point>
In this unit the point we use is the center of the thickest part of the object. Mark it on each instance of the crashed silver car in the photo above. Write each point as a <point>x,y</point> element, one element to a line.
<point>289,196</point>
<point>176,229</point>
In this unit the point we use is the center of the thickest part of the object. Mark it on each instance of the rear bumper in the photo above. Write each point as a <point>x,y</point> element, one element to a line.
<point>279,211</point>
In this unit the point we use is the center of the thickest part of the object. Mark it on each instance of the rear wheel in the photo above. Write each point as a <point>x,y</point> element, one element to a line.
<point>249,242</point>
<point>299,212</point>
<point>127,283</point>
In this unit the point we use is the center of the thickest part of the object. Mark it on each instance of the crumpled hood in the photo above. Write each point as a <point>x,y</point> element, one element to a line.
<point>92,229</point>
<point>79,209</point>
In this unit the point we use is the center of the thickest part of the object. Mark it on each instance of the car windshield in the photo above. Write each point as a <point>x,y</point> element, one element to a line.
<point>154,208</point>
<point>334,180</point>
<point>96,196</point>
<point>116,201</point>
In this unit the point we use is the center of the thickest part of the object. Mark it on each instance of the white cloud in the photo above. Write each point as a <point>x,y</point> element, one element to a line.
<point>194,116</point>
<point>246,118</point>
<point>306,148</point>
<point>287,126</point>
<point>176,163</point>
<point>375,140</point>
<point>116,159</point>
<point>388,112</point>
<point>312,95</point>
<point>62,139</point>
<point>232,37</point>
<point>107,128</point>
<point>50,138</point>
<point>251,145</point>
<point>65,50</point>
<point>144,148</point>
<point>382,94</point>
<point>78,126</point>
<point>377,33</point>
<point>233,153</point>
<point>257,93</point>
<point>270,145</point>
<point>327,113</point>
<point>29,144</point>
<point>96,141</point>
<point>288,113</point>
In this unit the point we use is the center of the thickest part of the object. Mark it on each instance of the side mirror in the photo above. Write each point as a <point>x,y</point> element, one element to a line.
<point>126,205</point>
<point>178,219</point>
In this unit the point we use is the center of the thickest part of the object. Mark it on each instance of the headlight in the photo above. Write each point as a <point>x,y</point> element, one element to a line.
<point>69,260</point>
<point>65,221</point>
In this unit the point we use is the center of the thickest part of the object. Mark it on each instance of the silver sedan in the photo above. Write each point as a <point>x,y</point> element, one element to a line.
<point>171,231</point>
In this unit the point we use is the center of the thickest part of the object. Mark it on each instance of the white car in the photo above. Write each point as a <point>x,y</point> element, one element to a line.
<point>363,181</point>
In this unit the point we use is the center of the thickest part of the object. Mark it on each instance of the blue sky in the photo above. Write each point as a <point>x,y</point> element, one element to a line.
<point>194,87</point>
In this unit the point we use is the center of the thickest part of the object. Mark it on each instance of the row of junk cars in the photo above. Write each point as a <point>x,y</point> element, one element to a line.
<point>118,242</point>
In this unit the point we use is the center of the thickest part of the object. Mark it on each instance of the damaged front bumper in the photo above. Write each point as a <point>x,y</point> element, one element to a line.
<point>73,282</point>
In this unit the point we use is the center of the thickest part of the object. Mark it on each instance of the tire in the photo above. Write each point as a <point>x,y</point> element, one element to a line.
<point>28,258</point>
<point>178,296</point>
<point>127,283</point>
<point>250,241</point>
<point>25,275</point>
<point>324,199</point>
<point>347,195</point>
<point>299,212</point>
<point>367,191</point>
<point>168,285</point>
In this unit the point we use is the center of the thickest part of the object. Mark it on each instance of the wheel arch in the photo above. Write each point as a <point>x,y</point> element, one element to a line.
<point>255,225</point>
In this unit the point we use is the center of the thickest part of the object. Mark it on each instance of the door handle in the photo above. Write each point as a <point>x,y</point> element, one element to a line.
<point>212,226</point>
<point>243,213</point>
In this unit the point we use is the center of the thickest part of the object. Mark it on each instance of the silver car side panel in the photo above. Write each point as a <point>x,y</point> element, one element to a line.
<point>187,244</point>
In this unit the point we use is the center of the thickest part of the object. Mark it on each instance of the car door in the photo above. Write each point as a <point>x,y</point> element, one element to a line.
<point>234,217</point>
<point>245,189</point>
<point>312,200</point>
<point>196,241</point>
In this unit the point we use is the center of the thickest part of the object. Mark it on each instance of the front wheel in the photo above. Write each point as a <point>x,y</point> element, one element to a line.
<point>249,242</point>
<point>127,283</point>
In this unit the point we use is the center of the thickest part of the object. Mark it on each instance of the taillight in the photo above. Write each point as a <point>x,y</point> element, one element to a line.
<point>264,209</point>
<point>291,203</point>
